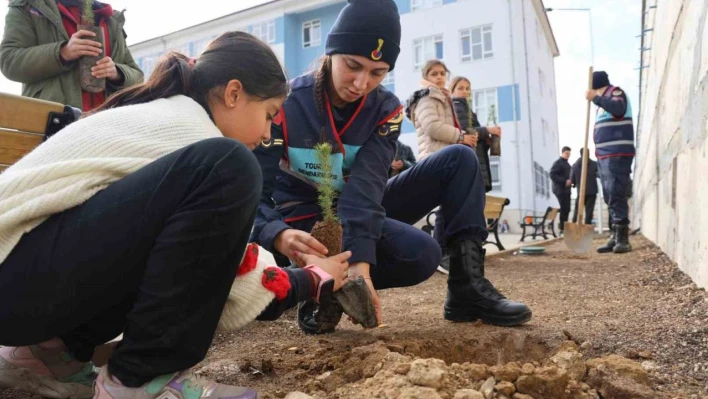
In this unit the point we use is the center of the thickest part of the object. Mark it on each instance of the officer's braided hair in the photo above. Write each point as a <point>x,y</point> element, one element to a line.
<point>321,76</point>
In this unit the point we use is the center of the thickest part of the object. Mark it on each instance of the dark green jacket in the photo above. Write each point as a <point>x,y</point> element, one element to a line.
<point>29,53</point>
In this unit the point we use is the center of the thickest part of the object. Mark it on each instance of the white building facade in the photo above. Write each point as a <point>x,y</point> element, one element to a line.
<point>505,48</point>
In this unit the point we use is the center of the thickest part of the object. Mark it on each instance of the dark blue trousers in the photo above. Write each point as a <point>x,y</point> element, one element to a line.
<point>614,175</point>
<point>451,179</point>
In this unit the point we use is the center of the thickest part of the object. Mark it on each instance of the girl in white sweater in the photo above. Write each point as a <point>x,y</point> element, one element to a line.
<point>135,220</point>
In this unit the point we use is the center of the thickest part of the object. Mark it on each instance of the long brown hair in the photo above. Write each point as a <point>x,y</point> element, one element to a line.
<point>322,73</point>
<point>233,55</point>
<point>455,81</point>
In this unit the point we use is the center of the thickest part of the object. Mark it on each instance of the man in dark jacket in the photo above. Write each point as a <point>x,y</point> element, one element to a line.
<point>403,160</point>
<point>560,175</point>
<point>590,187</point>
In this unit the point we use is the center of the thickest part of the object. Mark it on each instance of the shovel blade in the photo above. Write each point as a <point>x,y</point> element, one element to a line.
<point>578,237</point>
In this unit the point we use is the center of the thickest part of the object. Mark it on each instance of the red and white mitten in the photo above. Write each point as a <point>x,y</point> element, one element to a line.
<point>258,281</point>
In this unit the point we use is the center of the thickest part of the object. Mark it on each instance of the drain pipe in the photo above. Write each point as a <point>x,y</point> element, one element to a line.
<point>514,90</point>
<point>528,100</point>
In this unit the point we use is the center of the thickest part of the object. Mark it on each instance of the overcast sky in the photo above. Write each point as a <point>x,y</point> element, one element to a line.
<point>615,25</point>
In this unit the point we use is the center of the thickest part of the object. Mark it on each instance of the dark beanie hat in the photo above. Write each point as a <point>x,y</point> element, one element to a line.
<point>369,28</point>
<point>600,80</point>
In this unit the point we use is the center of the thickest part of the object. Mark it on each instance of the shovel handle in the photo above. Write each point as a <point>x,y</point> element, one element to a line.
<point>584,174</point>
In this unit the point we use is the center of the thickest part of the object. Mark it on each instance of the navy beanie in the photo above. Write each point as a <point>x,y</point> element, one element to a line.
<point>368,28</point>
<point>600,80</point>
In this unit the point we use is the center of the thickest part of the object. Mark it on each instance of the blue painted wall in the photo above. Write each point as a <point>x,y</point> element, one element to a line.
<point>299,60</point>
<point>279,30</point>
<point>448,1</point>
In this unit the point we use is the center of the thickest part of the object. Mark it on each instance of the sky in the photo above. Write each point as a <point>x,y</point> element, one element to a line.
<point>615,25</point>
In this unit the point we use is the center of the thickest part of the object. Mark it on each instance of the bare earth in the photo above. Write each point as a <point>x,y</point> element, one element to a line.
<point>637,305</point>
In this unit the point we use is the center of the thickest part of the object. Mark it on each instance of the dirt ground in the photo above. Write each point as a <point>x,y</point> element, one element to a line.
<point>637,305</point>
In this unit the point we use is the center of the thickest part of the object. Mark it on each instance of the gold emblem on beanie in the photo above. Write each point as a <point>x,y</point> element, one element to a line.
<point>377,54</point>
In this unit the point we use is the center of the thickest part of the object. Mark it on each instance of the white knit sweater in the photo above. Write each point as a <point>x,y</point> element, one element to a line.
<point>92,153</point>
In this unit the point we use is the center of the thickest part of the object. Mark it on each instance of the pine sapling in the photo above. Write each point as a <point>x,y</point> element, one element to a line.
<point>87,15</point>
<point>492,118</point>
<point>329,230</point>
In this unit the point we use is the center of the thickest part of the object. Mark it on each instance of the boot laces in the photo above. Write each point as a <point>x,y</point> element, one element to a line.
<point>486,288</point>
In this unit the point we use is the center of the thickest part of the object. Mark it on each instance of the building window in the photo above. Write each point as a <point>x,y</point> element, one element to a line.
<point>540,178</point>
<point>427,48</point>
<point>311,33</point>
<point>476,43</point>
<point>495,168</point>
<point>421,4</point>
<point>265,31</point>
<point>541,82</point>
<point>389,79</point>
<point>485,102</point>
<point>548,184</point>
<point>544,131</point>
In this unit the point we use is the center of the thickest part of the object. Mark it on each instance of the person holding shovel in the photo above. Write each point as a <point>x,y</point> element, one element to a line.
<point>614,149</point>
<point>343,103</point>
<point>42,45</point>
<point>135,220</point>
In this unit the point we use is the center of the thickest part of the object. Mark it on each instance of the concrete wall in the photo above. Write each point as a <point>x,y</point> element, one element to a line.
<point>671,201</point>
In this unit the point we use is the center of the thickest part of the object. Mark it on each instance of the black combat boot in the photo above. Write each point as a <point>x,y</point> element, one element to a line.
<point>320,318</point>
<point>444,266</point>
<point>470,296</point>
<point>610,246</point>
<point>622,245</point>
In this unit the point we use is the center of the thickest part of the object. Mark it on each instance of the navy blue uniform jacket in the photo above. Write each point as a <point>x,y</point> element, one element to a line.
<point>362,153</point>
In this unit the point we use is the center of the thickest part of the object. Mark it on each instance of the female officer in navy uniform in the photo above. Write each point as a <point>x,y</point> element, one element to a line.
<point>342,103</point>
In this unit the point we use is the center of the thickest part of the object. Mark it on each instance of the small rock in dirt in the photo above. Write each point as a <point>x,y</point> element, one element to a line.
<point>507,372</point>
<point>476,372</point>
<point>402,368</point>
<point>528,369</point>
<point>521,396</point>
<point>418,393</point>
<point>266,366</point>
<point>648,365</point>
<point>293,349</point>
<point>546,382</point>
<point>586,345</point>
<point>572,362</point>
<point>488,388</point>
<point>298,395</point>
<point>280,394</point>
<point>506,388</point>
<point>427,373</point>
<point>623,366</point>
<point>468,394</point>
<point>395,348</point>
<point>610,384</point>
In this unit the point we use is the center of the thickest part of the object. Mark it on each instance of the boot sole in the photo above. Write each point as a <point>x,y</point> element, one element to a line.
<point>25,380</point>
<point>622,251</point>
<point>466,315</point>
<point>605,251</point>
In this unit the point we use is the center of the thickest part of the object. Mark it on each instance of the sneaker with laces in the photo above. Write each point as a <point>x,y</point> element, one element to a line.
<point>183,385</point>
<point>47,370</point>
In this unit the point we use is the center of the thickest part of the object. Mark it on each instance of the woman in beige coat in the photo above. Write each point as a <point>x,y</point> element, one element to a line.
<point>432,113</point>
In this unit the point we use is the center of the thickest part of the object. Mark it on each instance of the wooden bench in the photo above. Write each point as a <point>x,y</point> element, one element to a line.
<point>493,208</point>
<point>539,224</point>
<point>25,123</point>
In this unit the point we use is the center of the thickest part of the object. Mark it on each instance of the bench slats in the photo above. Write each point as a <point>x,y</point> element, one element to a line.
<point>26,114</point>
<point>493,210</point>
<point>15,145</point>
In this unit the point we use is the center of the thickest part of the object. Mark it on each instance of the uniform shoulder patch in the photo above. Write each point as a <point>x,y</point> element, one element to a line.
<point>397,118</point>
<point>392,124</point>
<point>617,92</point>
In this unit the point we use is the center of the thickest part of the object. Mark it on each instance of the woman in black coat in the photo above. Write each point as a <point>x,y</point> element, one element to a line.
<point>461,89</point>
